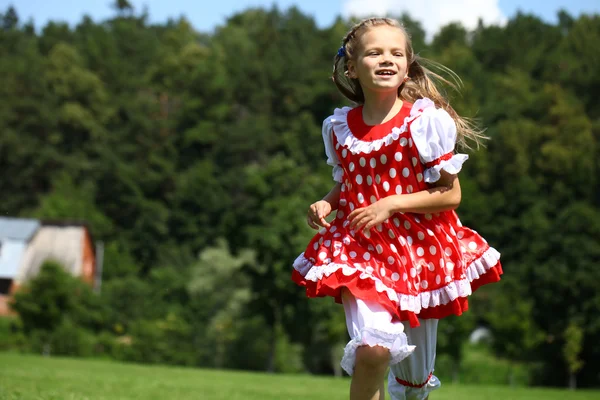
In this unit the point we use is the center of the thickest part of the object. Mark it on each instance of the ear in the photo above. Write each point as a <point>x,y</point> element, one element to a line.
<point>352,70</point>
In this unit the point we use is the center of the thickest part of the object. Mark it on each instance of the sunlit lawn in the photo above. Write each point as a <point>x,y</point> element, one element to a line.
<point>37,378</point>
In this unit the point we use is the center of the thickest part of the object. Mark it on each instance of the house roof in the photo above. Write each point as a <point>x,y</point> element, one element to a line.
<point>18,228</point>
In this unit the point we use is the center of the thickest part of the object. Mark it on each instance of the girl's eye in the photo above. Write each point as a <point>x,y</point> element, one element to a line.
<point>398,54</point>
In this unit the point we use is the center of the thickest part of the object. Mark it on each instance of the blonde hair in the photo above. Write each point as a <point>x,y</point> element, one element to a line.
<point>422,82</point>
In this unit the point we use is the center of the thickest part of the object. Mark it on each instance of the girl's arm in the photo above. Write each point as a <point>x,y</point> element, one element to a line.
<point>446,195</point>
<point>333,197</point>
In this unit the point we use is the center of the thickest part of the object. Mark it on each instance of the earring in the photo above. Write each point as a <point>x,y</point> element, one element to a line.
<point>406,79</point>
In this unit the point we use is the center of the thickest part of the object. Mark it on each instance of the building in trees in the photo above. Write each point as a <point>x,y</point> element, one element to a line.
<point>25,244</point>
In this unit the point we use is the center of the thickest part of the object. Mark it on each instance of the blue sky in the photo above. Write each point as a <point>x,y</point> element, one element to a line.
<point>205,15</point>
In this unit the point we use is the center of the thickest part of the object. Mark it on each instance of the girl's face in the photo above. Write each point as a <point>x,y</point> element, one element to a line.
<point>380,64</point>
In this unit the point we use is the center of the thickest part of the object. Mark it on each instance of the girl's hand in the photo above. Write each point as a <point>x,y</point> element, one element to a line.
<point>367,217</point>
<point>317,212</point>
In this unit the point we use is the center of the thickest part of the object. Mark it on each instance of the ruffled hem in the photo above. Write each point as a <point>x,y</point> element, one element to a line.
<point>396,343</point>
<point>452,166</point>
<point>398,392</point>
<point>327,280</point>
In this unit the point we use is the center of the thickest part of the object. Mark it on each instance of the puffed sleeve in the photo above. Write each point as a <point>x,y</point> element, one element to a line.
<point>332,158</point>
<point>434,134</point>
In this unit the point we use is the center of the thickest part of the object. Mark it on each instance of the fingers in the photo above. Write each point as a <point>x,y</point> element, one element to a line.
<point>311,223</point>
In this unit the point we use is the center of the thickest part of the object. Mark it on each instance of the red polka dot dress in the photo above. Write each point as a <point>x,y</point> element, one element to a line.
<point>414,265</point>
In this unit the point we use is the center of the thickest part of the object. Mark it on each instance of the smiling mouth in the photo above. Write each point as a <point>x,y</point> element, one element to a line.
<point>385,73</point>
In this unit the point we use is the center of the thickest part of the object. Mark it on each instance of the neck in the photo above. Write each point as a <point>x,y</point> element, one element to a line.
<point>380,107</point>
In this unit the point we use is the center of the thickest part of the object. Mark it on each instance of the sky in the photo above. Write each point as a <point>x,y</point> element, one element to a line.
<point>205,15</point>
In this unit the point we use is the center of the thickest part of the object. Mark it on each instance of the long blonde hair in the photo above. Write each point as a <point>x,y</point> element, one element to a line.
<point>422,82</point>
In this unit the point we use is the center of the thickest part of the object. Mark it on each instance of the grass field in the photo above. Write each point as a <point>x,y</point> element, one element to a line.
<point>36,378</point>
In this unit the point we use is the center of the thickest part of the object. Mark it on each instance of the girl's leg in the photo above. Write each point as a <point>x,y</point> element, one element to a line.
<point>376,342</point>
<point>369,373</point>
<point>412,378</point>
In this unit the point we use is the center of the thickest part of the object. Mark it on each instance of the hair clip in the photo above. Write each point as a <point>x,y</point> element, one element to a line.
<point>342,51</point>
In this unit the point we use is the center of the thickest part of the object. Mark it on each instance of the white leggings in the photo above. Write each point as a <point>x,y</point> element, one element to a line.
<point>412,350</point>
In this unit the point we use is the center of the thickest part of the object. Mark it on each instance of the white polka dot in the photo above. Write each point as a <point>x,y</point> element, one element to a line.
<point>367,234</point>
<point>386,186</point>
<point>343,188</point>
<point>414,161</point>
<point>405,172</point>
<point>449,266</point>
<point>473,246</point>
<point>337,146</point>
<point>413,272</point>
<point>344,257</point>
<point>373,199</point>
<point>343,202</point>
<point>390,260</point>
<point>459,223</point>
<point>392,172</point>
<point>452,231</point>
<point>448,279</point>
<point>316,246</point>
<point>395,277</point>
<point>428,217</point>
<point>460,235</point>
<point>424,284</point>
<point>396,222</point>
<point>346,240</point>
<point>409,189</point>
<point>336,253</point>
<point>367,256</point>
<point>351,166</point>
<point>404,276</point>
<point>420,177</point>
<point>438,280</point>
<point>372,163</point>
<point>402,241</point>
<point>353,254</point>
<point>360,198</point>
<point>379,228</point>
<point>379,248</point>
<point>351,205</point>
<point>398,156</point>
<point>430,232</point>
<point>333,228</point>
<point>359,179</point>
<point>393,248</point>
<point>382,271</point>
<point>404,260</point>
<point>432,250</point>
<point>378,179</point>
<point>327,243</point>
<point>420,252</point>
<point>410,142</point>
<point>337,235</point>
<point>419,268</point>
<point>362,162</point>
<point>417,220</point>
<point>406,225</point>
<point>431,266</point>
<point>322,232</point>
<point>369,180</point>
<point>322,255</point>
<point>383,159</point>
<point>448,238</point>
<point>368,270</point>
<point>409,240</point>
<point>421,235</point>
<point>442,263</point>
<point>391,234</point>
<point>403,142</point>
<point>344,153</point>
<point>448,251</point>
<point>340,214</point>
<point>398,189</point>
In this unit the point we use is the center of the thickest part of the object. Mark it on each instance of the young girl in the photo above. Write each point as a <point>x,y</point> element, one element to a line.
<point>396,255</point>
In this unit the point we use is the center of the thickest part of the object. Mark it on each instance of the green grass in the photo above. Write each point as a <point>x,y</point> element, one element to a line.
<point>30,377</point>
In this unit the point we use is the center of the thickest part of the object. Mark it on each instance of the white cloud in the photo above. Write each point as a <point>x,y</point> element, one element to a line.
<point>432,14</point>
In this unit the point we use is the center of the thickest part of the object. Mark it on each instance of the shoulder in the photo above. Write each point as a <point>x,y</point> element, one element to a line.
<point>424,111</point>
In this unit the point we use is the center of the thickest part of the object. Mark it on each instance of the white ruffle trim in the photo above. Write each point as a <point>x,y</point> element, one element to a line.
<point>452,166</point>
<point>339,121</point>
<point>432,298</point>
<point>399,392</point>
<point>338,173</point>
<point>397,343</point>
